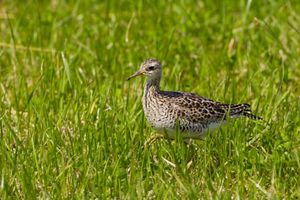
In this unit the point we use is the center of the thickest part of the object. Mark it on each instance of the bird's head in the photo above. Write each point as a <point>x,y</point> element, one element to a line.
<point>150,68</point>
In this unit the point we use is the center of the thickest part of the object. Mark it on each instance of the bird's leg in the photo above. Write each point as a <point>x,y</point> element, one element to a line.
<point>192,149</point>
<point>188,141</point>
<point>153,139</point>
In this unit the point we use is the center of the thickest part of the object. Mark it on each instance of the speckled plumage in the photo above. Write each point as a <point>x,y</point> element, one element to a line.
<point>192,114</point>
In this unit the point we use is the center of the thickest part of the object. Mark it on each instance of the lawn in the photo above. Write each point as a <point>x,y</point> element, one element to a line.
<point>72,127</point>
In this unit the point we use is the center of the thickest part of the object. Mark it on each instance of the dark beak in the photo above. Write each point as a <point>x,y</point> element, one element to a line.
<point>137,73</point>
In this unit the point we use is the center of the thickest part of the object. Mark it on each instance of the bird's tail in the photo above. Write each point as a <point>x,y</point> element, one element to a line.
<point>237,110</point>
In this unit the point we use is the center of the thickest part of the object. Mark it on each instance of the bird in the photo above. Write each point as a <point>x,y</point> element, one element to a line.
<point>192,115</point>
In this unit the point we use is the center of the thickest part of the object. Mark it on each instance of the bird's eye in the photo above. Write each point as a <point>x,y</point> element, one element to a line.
<point>150,68</point>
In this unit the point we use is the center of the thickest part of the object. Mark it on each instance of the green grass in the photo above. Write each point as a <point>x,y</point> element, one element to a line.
<point>71,127</point>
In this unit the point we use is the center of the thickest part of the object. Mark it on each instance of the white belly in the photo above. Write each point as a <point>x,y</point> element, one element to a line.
<point>193,133</point>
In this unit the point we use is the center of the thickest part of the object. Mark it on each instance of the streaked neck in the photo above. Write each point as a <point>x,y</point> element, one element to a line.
<point>152,85</point>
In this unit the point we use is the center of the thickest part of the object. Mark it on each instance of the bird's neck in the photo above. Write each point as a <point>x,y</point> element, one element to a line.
<point>152,85</point>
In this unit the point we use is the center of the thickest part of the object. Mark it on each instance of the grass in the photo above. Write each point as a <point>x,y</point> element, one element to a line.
<point>71,127</point>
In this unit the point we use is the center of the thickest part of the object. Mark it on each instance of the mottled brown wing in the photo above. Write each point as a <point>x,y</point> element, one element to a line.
<point>194,108</point>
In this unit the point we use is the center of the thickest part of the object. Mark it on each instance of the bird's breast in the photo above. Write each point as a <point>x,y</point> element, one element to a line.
<point>157,112</point>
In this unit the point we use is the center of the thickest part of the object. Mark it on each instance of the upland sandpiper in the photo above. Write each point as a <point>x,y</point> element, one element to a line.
<point>192,115</point>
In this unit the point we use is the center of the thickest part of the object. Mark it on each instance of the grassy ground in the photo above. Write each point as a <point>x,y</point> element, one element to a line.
<point>71,127</point>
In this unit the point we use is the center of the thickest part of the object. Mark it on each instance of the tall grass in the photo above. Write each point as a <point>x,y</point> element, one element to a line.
<point>71,127</point>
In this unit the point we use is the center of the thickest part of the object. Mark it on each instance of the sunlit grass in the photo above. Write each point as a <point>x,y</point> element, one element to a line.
<point>71,127</point>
